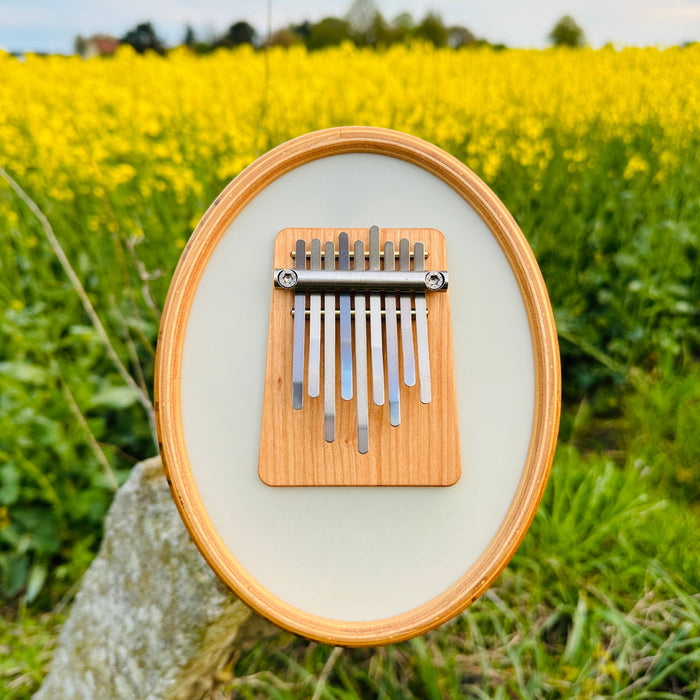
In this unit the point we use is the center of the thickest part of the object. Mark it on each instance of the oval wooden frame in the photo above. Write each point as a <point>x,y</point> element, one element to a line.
<point>223,211</point>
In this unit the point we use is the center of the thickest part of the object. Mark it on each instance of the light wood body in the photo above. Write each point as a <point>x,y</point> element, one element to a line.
<point>422,451</point>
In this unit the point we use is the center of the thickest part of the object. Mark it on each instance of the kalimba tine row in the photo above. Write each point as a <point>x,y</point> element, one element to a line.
<point>338,286</point>
<point>357,392</point>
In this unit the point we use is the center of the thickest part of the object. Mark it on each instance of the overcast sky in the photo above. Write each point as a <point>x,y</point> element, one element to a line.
<point>51,25</point>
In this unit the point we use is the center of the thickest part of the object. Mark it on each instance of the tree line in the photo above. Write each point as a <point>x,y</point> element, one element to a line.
<point>373,31</point>
<point>363,25</point>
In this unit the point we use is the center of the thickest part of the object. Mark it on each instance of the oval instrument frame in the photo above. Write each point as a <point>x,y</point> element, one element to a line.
<point>547,382</point>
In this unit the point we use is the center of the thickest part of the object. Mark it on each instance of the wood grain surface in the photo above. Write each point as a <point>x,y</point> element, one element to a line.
<point>422,451</point>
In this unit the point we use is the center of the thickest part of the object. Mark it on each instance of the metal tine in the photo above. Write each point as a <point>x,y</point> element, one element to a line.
<point>315,326</point>
<point>345,322</point>
<point>352,313</point>
<point>422,329</point>
<point>392,342</point>
<point>352,255</point>
<point>329,351</point>
<point>375,324</point>
<point>361,358</point>
<point>409,362</point>
<point>299,333</point>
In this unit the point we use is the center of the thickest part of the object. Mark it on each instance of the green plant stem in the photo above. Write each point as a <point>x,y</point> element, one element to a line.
<point>77,413</point>
<point>142,397</point>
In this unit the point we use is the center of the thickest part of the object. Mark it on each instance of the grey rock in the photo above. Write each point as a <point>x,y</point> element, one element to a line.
<point>151,620</point>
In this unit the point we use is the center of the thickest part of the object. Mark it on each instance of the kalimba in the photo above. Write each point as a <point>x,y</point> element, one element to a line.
<point>357,386</point>
<point>371,304</point>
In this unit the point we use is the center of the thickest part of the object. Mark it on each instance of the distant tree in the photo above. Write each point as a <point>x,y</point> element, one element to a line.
<point>361,15</point>
<point>432,29</point>
<point>190,39</point>
<point>458,36</point>
<point>567,33</point>
<point>80,44</point>
<point>143,37</point>
<point>303,30</point>
<point>238,34</point>
<point>402,27</point>
<point>367,26</point>
<point>330,31</point>
<point>380,32</point>
<point>283,37</point>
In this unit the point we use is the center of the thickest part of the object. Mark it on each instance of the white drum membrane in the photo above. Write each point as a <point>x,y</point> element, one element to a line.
<point>356,554</point>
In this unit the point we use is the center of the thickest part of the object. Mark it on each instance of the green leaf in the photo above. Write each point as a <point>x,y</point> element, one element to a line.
<point>573,643</point>
<point>24,372</point>
<point>9,484</point>
<point>35,581</point>
<point>118,397</point>
<point>15,570</point>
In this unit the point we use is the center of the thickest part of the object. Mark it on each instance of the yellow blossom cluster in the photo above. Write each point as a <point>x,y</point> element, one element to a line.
<point>131,126</point>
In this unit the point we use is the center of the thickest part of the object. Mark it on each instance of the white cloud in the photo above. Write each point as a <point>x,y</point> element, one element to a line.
<point>677,12</point>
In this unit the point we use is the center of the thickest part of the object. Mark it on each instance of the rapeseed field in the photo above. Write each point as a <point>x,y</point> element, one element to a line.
<point>135,124</point>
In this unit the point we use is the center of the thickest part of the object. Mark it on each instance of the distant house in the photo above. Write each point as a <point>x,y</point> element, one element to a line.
<point>97,45</point>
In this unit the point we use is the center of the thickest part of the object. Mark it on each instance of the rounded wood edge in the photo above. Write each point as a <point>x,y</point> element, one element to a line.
<point>213,225</point>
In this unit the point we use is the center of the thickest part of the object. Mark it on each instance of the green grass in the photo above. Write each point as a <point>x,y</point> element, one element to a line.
<point>26,644</point>
<point>592,605</point>
<point>662,422</point>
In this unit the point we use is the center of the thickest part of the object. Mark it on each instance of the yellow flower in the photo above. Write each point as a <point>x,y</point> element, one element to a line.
<point>635,165</point>
<point>101,137</point>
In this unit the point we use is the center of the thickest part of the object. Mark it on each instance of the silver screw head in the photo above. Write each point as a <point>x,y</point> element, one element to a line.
<point>287,278</point>
<point>434,280</point>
